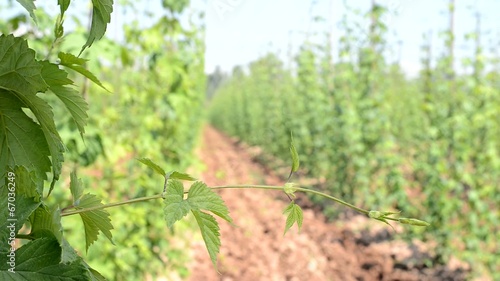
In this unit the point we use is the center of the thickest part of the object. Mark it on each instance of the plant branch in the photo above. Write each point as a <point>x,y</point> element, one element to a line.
<point>267,187</point>
<point>270,187</point>
<point>110,205</point>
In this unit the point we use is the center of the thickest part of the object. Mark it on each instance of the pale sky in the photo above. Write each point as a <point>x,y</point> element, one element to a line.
<point>239,31</point>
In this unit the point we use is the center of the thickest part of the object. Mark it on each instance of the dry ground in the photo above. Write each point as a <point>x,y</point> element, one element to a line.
<point>354,249</point>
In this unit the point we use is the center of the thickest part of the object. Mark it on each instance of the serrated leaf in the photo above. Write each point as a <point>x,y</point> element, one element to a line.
<point>175,205</point>
<point>179,176</point>
<point>25,184</point>
<point>19,71</point>
<point>24,206</point>
<point>22,141</point>
<point>63,4</point>
<point>29,5</point>
<point>95,275</point>
<point>45,221</point>
<point>76,64</point>
<point>295,155</point>
<point>69,255</point>
<point>101,16</point>
<point>76,188</point>
<point>20,75</point>
<point>294,215</point>
<point>210,232</point>
<point>40,260</point>
<point>45,117</point>
<point>94,221</point>
<point>57,80</point>
<point>200,197</point>
<point>155,167</point>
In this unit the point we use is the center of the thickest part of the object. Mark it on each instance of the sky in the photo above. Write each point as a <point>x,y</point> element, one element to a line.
<point>239,31</point>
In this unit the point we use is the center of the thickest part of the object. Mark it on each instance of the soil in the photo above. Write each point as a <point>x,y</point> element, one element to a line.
<point>354,248</point>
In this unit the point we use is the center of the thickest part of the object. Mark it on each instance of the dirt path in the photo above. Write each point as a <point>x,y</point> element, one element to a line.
<point>257,250</point>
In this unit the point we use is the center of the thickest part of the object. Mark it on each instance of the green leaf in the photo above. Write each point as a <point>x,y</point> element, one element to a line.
<point>101,16</point>
<point>25,184</point>
<point>179,176</point>
<point>19,71</point>
<point>152,165</point>
<point>29,5</point>
<point>24,206</point>
<point>20,79</point>
<point>22,141</point>
<point>95,275</point>
<point>76,64</point>
<point>295,155</point>
<point>45,221</point>
<point>40,260</point>
<point>57,79</point>
<point>412,221</point>
<point>76,188</point>
<point>294,215</point>
<point>175,205</point>
<point>20,75</point>
<point>94,221</point>
<point>210,232</point>
<point>201,197</point>
<point>69,255</point>
<point>64,4</point>
<point>45,117</point>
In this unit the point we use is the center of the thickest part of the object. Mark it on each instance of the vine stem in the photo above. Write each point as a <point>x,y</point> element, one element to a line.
<point>267,187</point>
<point>271,187</point>
<point>110,205</point>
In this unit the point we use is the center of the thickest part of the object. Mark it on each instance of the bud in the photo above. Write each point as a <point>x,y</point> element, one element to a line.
<point>375,214</point>
<point>413,222</point>
<point>290,189</point>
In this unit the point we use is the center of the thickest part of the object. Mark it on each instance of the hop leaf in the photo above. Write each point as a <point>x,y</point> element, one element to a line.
<point>73,101</point>
<point>294,215</point>
<point>101,16</point>
<point>170,175</point>
<point>76,64</point>
<point>29,5</point>
<point>200,197</point>
<point>412,221</point>
<point>295,155</point>
<point>210,232</point>
<point>175,205</point>
<point>179,176</point>
<point>152,165</point>
<point>94,221</point>
<point>295,158</point>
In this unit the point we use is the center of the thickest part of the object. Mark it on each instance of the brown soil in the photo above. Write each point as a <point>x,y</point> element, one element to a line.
<point>255,249</point>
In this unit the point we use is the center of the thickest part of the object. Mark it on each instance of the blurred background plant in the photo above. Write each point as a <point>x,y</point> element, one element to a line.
<point>426,145</point>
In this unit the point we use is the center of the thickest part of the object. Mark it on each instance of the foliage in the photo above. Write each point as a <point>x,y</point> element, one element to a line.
<point>32,142</point>
<point>164,120</point>
<point>376,138</point>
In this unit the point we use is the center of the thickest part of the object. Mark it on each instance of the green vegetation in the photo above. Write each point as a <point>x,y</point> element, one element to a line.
<point>156,113</point>
<point>146,99</point>
<point>426,146</point>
